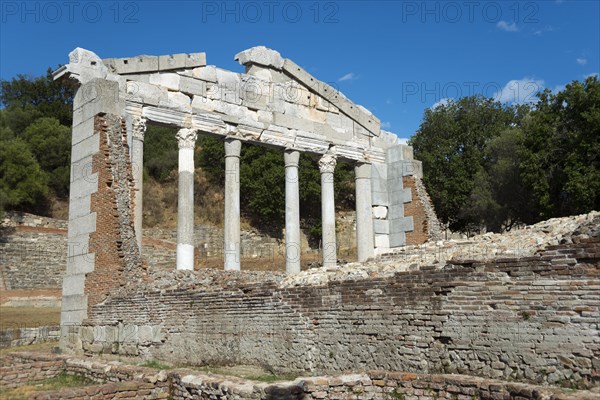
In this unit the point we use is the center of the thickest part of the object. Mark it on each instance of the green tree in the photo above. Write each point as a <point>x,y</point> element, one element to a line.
<point>42,94</point>
<point>50,143</point>
<point>22,182</point>
<point>160,152</point>
<point>451,143</point>
<point>561,150</point>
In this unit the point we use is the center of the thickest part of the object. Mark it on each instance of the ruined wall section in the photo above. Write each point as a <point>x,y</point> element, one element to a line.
<point>117,256</point>
<point>531,319</point>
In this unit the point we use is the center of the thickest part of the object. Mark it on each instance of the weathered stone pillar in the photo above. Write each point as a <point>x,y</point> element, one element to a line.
<point>292,212</point>
<point>137,166</point>
<point>185,205</point>
<point>364,213</point>
<point>327,166</point>
<point>233,148</point>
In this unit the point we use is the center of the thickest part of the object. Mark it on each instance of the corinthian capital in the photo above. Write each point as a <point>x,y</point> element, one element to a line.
<point>327,163</point>
<point>186,138</point>
<point>139,128</point>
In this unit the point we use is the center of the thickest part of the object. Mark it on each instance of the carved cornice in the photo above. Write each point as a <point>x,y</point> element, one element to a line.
<point>327,163</point>
<point>186,138</point>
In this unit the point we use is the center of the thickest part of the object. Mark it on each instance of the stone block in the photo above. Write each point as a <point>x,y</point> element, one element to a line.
<point>69,321</point>
<point>412,168</point>
<point>379,185</point>
<point>382,241</point>
<point>380,198</point>
<point>96,96</point>
<point>380,212</point>
<point>381,226</point>
<point>81,263</point>
<point>400,196</point>
<point>74,302</point>
<point>379,171</point>
<point>292,122</point>
<point>85,148</point>
<point>79,206</point>
<point>404,224</point>
<point>84,186</point>
<point>260,55</point>
<point>229,86</point>
<point>146,93</point>
<point>133,65</point>
<point>397,239</point>
<point>207,73</point>
<point>367,120</point>
<point>395,154</point>
<point>192,86</point>
<point>82,169</point>
<point>77,244</point>
<point>169,80</point>
<point>396,211</point>
<point>82,225</point>
<point>82,131</point>
<point>73,284</point>
<point>178,101</point>
<point>203,104</point>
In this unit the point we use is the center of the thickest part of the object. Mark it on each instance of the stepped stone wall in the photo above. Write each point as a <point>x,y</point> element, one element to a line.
<point>532,318</point>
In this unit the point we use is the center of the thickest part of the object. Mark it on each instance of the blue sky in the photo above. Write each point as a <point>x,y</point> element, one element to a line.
<point>396,58</point>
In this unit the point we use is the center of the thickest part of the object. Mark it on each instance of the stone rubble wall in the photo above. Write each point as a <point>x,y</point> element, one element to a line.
<point>17,336</point>
<point>117,380</point>
<point>32,259</point>
<point>532,319</point>
<point>14,219</point>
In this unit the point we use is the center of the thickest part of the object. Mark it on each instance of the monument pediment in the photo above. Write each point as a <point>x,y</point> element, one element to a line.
<point>275,102</point>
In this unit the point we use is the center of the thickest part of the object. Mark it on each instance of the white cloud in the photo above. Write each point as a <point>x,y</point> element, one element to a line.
<point>520,91</point>
<point>350,76</point>
<point>402,140</point>
<point>590,75</point>
<point>559,88</point>
<point>505,26</point>
<point>441,102</point>
<point>386,125</point>
<point>547,28</point>
<point>581,61</point>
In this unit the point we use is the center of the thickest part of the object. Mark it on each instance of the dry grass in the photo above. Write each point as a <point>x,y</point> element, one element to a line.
<point>62,381</point>
<point>45,347</point>
<point>28,317</point>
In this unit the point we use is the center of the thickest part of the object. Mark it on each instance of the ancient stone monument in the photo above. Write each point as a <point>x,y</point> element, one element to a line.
<point>522,307</point>
<point>275,103</point>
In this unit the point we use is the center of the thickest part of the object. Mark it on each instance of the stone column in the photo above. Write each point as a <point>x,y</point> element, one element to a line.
<point>232,204</point>
<point>327,166</point>
<point>292,212</point>
<point>137,166</point>
<point>185,205</point>
<point>364,213</point>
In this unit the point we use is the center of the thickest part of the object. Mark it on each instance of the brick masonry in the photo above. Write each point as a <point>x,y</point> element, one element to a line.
<point>530,319</point>
<point>117,257</point>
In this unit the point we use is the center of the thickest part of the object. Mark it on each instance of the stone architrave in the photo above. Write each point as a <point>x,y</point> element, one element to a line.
<point>232,233</point>
<point>185,207</point>
<point>327,167</point>
<point>364,217</point>
<point>137,167</point>
<point>292,212</point>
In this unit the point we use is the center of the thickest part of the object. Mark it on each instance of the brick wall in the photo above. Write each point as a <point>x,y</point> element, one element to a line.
<point>416,210</point>
<point>530,319</point>
<point>117,258</point>
<point>16,370</point>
